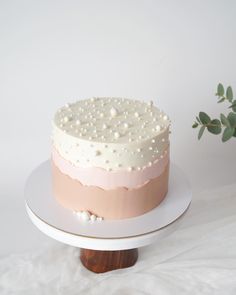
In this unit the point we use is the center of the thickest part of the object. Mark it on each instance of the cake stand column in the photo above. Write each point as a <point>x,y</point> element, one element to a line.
<point>102,261</point>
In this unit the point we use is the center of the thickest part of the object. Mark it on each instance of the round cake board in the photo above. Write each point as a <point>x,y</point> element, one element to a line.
<point>63,225</point>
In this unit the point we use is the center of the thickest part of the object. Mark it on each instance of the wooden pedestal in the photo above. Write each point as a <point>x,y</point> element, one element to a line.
<point>103,261</point>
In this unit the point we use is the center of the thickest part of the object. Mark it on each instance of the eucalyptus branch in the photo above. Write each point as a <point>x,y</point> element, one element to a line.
<point>227,123</point>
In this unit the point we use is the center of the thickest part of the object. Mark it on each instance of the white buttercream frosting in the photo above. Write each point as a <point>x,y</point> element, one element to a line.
<point>111,133</point>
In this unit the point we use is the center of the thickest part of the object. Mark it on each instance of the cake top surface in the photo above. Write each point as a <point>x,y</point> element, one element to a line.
<point>111,120</point>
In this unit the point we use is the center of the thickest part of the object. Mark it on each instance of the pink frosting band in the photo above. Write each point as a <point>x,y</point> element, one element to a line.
<point>99,177</point>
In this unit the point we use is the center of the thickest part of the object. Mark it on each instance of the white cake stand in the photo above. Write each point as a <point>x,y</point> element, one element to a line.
<point>112,244</point>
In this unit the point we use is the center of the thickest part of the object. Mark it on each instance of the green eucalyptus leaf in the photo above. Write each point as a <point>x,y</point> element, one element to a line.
<point>204,118</point>
<point>232,119</point>
<point>220,90</point>
<point>233,106</point>
<point>228,133</point>
<point>221,100</point>
<point>214,126</point>
<point>229,93</point>
<point>234,132</point>
<point>198,120</point>
<point>224,120</point>
<point>200,133</point>
<point>195,125</point>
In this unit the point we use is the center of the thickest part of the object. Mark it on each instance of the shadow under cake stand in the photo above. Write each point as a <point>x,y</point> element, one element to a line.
<point>108,244</point>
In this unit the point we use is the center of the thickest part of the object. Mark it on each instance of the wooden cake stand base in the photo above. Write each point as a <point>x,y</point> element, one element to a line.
<point>102,261</point>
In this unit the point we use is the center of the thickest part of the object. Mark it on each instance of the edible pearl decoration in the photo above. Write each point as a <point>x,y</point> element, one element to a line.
<point>117,134</point>
<point>86,216</point>
<point>113,112</point>
<point>65,119</point>
<point>93,217</point>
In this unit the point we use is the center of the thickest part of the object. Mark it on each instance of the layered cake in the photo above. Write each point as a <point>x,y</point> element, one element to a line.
<point>110,157</point>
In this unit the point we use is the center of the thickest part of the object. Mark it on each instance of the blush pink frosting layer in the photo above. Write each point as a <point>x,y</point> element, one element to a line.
<point>95,176</point>
<point>117,203</point>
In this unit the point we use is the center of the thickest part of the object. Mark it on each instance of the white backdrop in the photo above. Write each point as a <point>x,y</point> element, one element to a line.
<point>52,52</point>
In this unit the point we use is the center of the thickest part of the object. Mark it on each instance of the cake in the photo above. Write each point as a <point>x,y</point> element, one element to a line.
<point>110,157</point>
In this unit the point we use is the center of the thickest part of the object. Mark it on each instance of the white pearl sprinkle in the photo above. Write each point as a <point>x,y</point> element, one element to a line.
<point>136,114</point>
<point>113,112</point>
<point>99,219</point>
<point>78,122</point>
<point>85,216</point>
<point>65,119</point>
<point>158,128</point>
<point>104,126</point>
<point>126,125</point>
<point>149,164</point>
<point>117,134</point>
<point>165,118</point>
<point>93,218</point>
<point>130,168</point>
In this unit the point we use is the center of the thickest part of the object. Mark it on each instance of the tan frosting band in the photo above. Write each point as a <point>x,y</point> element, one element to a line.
<point>117,203</point>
